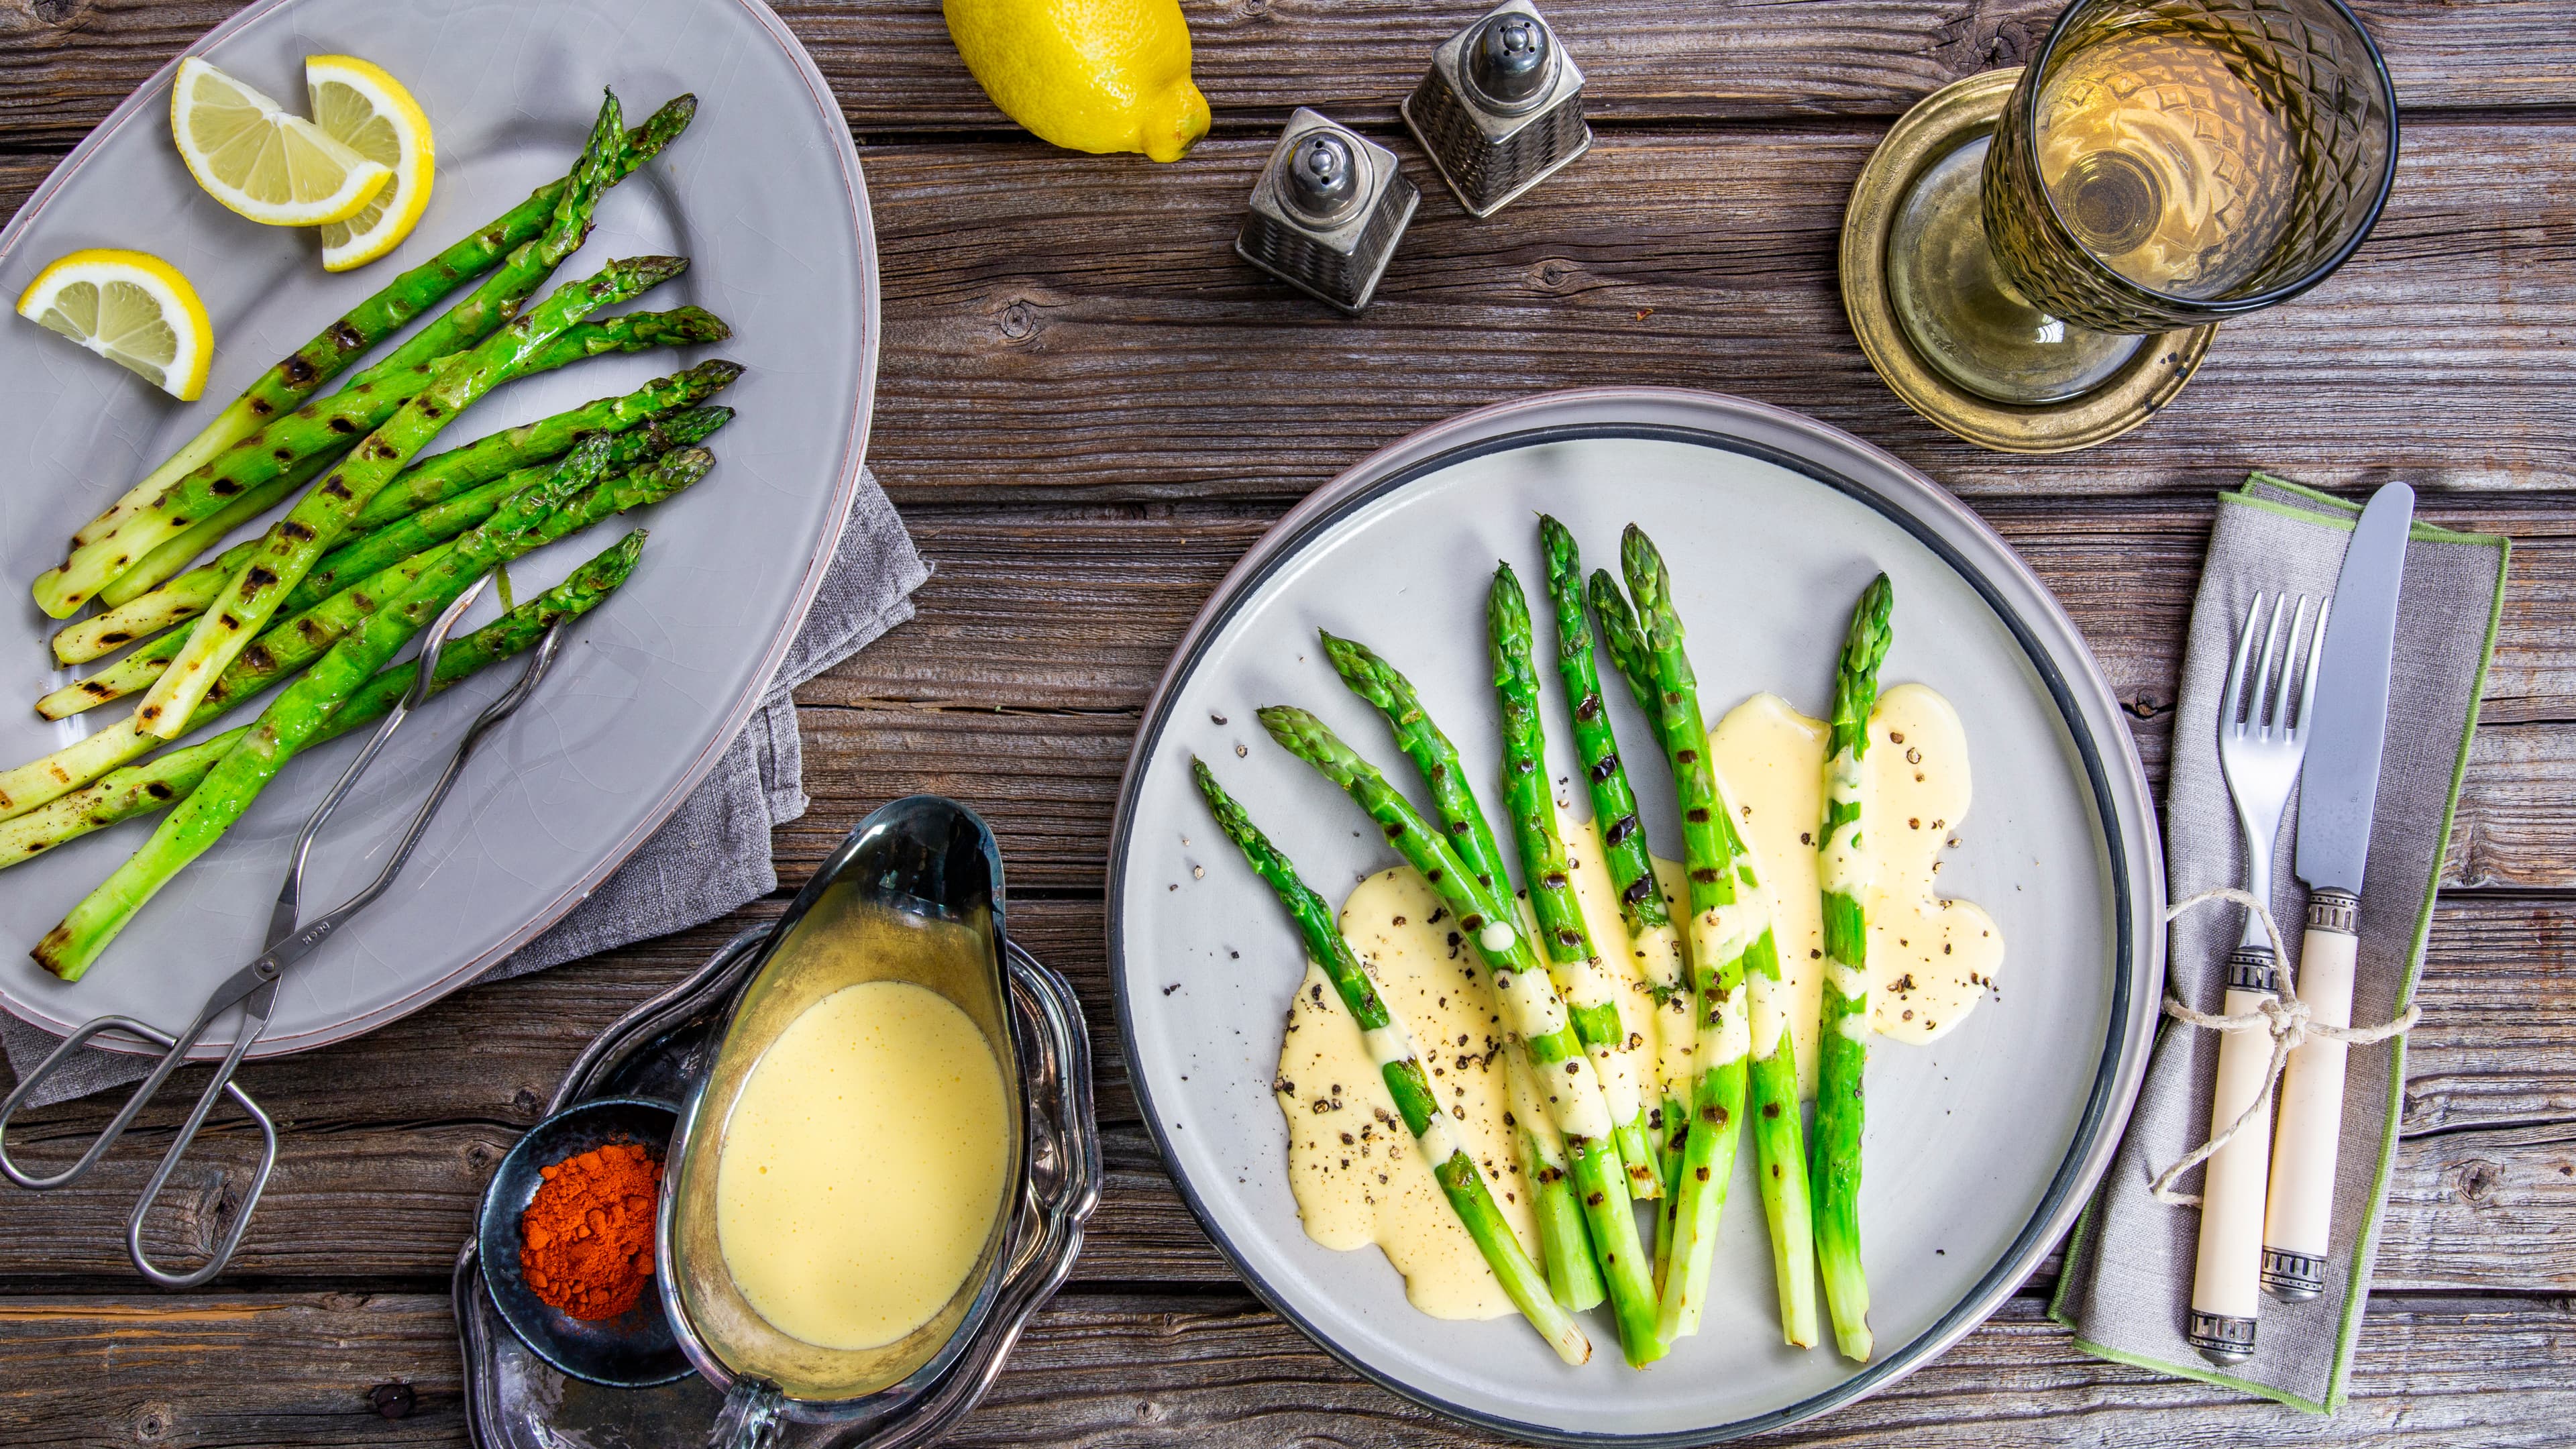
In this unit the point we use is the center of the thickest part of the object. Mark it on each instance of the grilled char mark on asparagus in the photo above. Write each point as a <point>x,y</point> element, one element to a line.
<point>322,516</point>
<point>300,710</point>
<point>1591,998</point>
<point>170,776</point>
<point>1530,1009</point>
<point>298,375</point>
<point>1452,1166</point>
<point>1843,1043</point>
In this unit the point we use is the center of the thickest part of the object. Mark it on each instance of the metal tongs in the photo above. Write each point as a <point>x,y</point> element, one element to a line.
<point>254,987</point>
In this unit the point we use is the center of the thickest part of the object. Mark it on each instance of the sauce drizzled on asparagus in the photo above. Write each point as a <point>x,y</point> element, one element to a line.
<point>1931,962</point>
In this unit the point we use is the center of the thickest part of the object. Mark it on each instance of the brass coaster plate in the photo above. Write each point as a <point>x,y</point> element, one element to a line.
<point>1950,117</point>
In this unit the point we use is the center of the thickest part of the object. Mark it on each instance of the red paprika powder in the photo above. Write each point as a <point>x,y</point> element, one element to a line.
<point>586,1239</point>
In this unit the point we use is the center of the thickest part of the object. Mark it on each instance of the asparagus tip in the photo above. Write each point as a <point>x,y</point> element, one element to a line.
<point>1644,565</point>
<point>630,276</point>
<point>663,126</point>
<point>697,324</point>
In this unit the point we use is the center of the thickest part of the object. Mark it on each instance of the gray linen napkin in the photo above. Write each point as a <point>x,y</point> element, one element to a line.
<point>2127,1280</point>
<point>712,855</point>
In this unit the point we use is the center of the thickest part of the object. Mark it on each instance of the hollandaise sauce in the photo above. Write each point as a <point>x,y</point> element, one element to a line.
<point>1352,1166</point>
<point>1931,960</point>
<point>863,1164</point>
<point>1354,1171</point>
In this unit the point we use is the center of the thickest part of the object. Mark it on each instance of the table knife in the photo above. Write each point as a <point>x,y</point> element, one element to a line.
<point>2337,792</point>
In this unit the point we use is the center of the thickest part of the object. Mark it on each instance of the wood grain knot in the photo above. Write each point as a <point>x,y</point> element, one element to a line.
<point>33,14</point>
<point>1560,277</point>
<point>2477,1181</point>
<point>1975,39</point>
<point>393,1401</point>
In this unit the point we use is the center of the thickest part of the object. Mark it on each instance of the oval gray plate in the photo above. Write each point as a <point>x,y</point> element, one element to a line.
<point>763,192</point>
<point>1982,1147</point>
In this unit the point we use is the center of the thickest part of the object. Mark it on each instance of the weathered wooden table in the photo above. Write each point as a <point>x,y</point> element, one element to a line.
<point>1088,408</point>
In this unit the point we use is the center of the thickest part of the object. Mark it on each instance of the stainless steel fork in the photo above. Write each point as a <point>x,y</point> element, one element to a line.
<point>2260,745</point>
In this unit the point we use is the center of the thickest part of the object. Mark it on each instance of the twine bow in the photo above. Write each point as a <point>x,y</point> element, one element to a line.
<point>2288,1019</point>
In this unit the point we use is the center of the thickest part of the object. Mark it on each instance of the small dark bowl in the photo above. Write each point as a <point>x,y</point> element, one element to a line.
<point>631,1351</point>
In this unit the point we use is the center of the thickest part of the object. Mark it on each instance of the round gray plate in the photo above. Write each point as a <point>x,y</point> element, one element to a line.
<point>763,193</point>
<point>1981,1147</point>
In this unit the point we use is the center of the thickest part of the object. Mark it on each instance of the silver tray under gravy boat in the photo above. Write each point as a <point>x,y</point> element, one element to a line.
<point>516,1400</point>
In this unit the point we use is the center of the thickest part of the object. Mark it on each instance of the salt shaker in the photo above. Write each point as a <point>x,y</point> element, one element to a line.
<point>1327,211</point>
<point>1501,110</point>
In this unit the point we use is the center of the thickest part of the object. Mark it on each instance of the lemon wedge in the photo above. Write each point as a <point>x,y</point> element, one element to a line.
<point>131,308</point>
<point>257,158</point>
<point>368,111</point>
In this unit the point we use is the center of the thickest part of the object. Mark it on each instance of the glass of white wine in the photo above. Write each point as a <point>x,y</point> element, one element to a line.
<point>2160,164</point>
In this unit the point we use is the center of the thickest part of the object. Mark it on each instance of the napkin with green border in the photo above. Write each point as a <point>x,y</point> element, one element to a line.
<point>2126,1285</point>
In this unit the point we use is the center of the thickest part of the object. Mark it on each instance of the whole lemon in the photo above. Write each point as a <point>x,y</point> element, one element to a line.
<point>1088,75</point>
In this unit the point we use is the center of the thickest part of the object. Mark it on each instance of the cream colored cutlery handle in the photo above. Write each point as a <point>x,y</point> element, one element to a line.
<point>2224,1291</point>
<point>2303,1156</point>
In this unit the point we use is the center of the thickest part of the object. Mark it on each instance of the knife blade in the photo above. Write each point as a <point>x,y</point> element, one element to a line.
<point>2338,787</point>
<point>2340,781</point>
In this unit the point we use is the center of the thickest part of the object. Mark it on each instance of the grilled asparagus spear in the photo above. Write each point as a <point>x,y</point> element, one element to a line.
<point>1652,943</point>
<point>300,373</point>
<point>1400,1063</point>
<point>166,778</point>
<point>1591,995</point>
<point>1564,1241</point>
<point>299,712</point>
<point>1744,1014</point>
<point>322,516</point>
<point>1531,1011</point>
<point>1842,873</point>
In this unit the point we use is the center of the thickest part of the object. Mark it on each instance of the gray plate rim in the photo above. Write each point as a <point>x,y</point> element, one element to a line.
<point>1897,491</point>
<point>148,99</point>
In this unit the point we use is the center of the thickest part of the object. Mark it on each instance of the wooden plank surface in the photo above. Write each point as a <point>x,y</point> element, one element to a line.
<point>1107,1371</point>
<point>1089,409</point>
<point>894,72</point>
<point>1092,319</point>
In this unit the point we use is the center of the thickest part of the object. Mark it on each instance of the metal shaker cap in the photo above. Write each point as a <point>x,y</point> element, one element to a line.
<point>1324,178</point>
<point>1511,60</point>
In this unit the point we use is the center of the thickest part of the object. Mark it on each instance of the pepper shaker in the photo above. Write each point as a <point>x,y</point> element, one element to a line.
<point>1502,108</point>
<point>1327,211</point>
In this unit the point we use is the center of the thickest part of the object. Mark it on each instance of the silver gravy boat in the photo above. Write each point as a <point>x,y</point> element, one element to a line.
<point>915,894</point>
